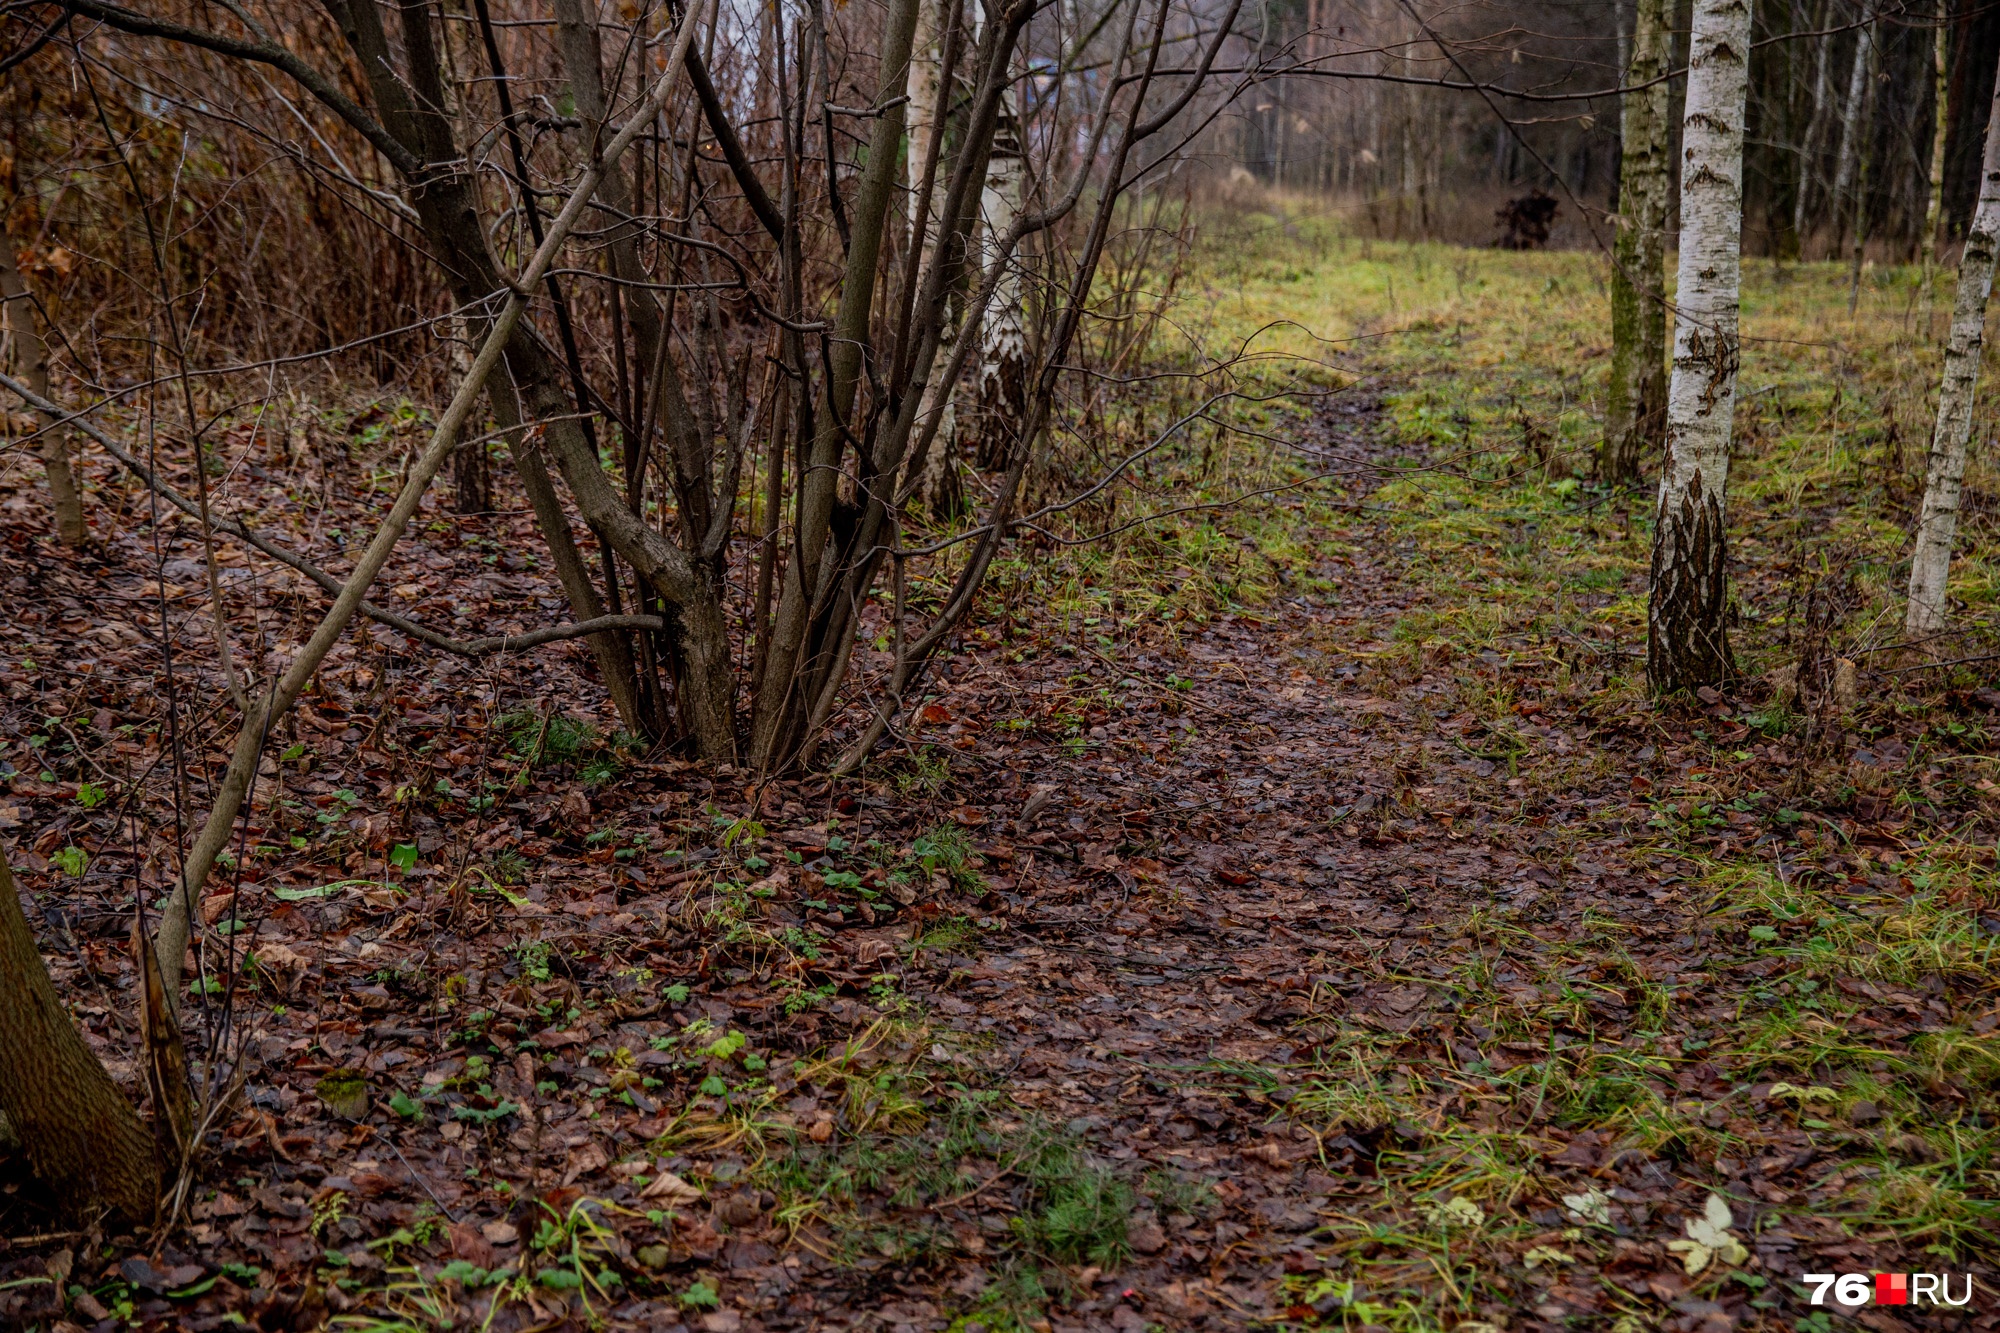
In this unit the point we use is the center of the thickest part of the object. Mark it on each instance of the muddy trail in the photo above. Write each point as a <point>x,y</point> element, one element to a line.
<point>1279,874</point>
<point>1399,1009</point>
<point>1295,967</point>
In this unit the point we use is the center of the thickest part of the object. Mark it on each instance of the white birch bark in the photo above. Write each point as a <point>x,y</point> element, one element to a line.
<point>1810,156</point>
<point>1003,347</point>
<point>1850,135</point>
<point>1940,123</point>
<point>926,98</point>
<point>1937,524</point>
<point>1687,644</point>
<point>926,71</point>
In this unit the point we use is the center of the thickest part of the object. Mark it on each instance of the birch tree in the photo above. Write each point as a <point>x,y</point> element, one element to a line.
<point>1937,523</point>
<point>1687,642</point>
<point>921,165</point>
<point>1810,152</point>
<point>1003,356</point>
<point>1852,127</point>
<point>1635,423</point>
<point>1934,197</point>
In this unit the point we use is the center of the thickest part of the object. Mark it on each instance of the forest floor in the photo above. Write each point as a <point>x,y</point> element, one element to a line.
<point>1295,918</point>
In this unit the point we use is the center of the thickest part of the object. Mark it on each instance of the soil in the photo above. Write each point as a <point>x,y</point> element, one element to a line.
<point>1258,919</point>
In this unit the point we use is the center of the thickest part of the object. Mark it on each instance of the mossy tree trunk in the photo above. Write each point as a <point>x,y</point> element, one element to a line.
<point>1635,426</point>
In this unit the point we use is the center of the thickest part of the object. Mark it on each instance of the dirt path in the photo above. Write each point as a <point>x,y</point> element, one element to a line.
<point>1306,882</point>
<point>1299,943</point>
<point>1320,966</point>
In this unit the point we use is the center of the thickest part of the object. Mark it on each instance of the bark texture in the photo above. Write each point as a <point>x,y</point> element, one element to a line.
<point>1809,154</point>
<point>1934,199</point>
<point>31,362</point>
<point>1636,420</point>
<point>1003,358</point>
<point>1937,524</point>
<point>937,487</point>
<point>1853,125</point>
<point>1687,643</point>
<point>80,1136</point>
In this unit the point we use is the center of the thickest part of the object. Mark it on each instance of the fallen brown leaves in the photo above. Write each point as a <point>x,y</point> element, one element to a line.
<point>1366,995</point>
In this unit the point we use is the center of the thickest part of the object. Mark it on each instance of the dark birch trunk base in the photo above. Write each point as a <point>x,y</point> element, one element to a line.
<point>1687,640</point>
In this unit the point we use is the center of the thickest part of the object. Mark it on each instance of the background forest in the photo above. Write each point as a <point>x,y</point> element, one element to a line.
<point>997,666</point>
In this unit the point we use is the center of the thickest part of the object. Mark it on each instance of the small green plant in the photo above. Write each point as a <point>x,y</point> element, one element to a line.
<point>72,861</point>
<point>947,849</point>
<point>485,1115</point>
<point>803,998</point>
<point>551,738</point>
<point>1081,1208</point>
<point>327,1212</point>
<point>925,774</point>
<point>744,832</point>
<point>533,956</point>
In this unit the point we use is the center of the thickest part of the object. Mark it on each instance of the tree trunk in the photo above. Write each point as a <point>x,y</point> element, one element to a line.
<point>938,487</point>
<point>83,1141</point>
<point>1859,206</point>
<point>1809,153</point>
<point>926,74</point>
<point>613,652</point>
<point>1934,203</point>
<point>447,209</point>
<point>1003,358</point>
<point>32,362</point>
<point>576,36</point>
<point>1687,643</point>
<point>807,573</point>
<point>1635,425</point>
<point>471,470</point>
<point>471,479</point>
<point>1937,525</point>
<point>1851,130</point>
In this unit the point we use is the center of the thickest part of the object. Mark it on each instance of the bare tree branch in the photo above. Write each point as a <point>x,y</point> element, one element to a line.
<point>312,80</point>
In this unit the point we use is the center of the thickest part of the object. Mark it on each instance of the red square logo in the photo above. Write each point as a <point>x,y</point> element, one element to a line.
<point>1892,1288</point>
